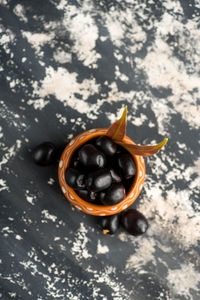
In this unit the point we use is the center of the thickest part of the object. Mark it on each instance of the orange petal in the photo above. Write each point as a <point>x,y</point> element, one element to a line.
<point>143,150</point>
<point>117,130</point>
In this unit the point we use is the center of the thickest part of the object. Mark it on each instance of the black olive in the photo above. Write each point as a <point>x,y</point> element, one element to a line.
<point>110,224</point>
<point>71,177</point>
<point>84,194</point>
<point>126,165</point>
<point>115,176</point>
<point>134,222</point>
<point>101,196</point>
<point>44,154</point>
<point>106,145</point>
<point>99,180</point>
<point>115,194</point>
<point>81,181</point>
<point>91,157</point>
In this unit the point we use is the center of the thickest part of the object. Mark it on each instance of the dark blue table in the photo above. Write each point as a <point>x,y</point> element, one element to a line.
<point>68,66</point>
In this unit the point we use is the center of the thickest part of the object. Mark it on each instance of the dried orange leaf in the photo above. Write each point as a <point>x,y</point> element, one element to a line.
<point>143,150</point>
<point>117,130</point>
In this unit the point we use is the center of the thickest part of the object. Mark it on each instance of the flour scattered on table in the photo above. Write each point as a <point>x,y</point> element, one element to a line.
<point>144,253</point>
<point>62,56</point>
<point>83,32</point>
<point>174,214</point>
<point>19,10</point>
<point>102,249</point>
<point>51,181</point>
<point>38,103</point>
<point>184,280</point>
<point>30,198</point>
<point>64,85</point>
<point>3,185</point>
<point>10,153</point>
<point>79,247</point>
<point>38,40</point>
<point>49,216</point>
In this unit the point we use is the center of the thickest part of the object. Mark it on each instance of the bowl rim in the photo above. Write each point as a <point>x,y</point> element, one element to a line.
<point>73,197</point>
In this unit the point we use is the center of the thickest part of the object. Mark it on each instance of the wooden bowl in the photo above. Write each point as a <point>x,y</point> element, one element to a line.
<point>87,207</point>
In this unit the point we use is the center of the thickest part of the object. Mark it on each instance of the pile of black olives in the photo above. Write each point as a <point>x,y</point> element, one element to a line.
<point>101,172</point>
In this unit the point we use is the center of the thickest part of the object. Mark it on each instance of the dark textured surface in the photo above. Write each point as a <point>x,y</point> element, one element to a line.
<point>68,66</point>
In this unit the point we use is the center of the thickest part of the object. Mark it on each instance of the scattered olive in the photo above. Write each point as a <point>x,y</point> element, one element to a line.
<point>134,222</point>
<point>44,154</point>
<point>110,224</point>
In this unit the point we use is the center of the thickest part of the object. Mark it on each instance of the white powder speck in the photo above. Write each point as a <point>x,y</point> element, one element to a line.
<point>1,133</point>
<point>51,181</point>
<point>78,248</point>
<point>103,38</point>
<point>183,280</point>
<point>38,103</point>
<point>37,40</point>
<point>7,230</point>
<point>18,237</point>
<point>13,295</point>
<point>62,56</point>
<point>29,197</point>
<point>48,216</point>
<point>3,185</point>
<point>24,59</point>
<point>20,12</point>
<point>44,252</point>
<point>102,249</point>
<point>63,120</point>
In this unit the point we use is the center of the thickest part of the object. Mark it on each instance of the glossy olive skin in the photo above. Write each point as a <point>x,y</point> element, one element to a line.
<point>99,180</point>
<point>75,179</point>
<point>106,145</point>
<point>44,154</point>
<point>101,196</point>
<point>110,224</point>
<point>115,194</point>
<point>91,157</point>
<point>126,165</point>
<point>115,176</point>
<point>84,194</point>
<point>77,164</point>
<point>134,222</point>
<point>87,195</point>
<point>81,181</point>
